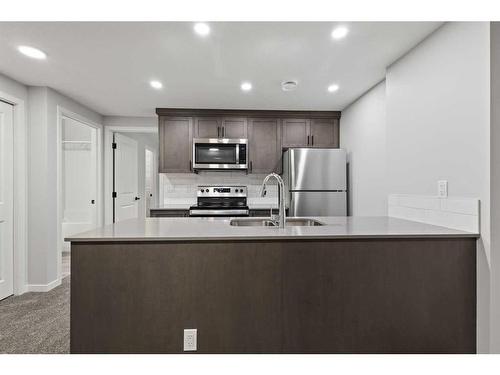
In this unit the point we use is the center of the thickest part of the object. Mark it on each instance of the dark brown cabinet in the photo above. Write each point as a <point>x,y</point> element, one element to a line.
<point>220,127</point>
<point>315,132</point>
<point>208,127</point>
<point>295,132</point>
<point>160,212</point>
<point>264,145</point>
<point>324,132</point>
<point>176,137</point>
<point>268,132</point>
<point>234,127</point>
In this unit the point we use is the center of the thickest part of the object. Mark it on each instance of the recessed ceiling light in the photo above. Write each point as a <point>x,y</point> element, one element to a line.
<point>289,85</point>
<point>32,52</point>
<point>332,88</point>
<point>202,29</point>
<point>246,86</point>
<point>339,32</point>
<point>156,84</point>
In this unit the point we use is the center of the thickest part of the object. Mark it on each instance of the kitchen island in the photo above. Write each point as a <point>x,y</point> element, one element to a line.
<point>352,285</point>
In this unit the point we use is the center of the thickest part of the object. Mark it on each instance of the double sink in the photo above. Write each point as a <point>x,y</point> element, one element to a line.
<point>266,222</point>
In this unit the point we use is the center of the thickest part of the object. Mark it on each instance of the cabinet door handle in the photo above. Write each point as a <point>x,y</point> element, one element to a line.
<point>190,166</point>
<point>218,131</point>
<point>223,131</point>
<point>251,166</point>
<point>308,140</point>
<point>312,140</point>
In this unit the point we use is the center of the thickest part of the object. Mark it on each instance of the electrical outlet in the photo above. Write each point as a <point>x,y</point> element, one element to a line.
<point>442,188</point>
<point>190,340</point>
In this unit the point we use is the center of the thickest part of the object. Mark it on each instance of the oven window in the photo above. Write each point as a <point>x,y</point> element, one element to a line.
<point>215,153</point>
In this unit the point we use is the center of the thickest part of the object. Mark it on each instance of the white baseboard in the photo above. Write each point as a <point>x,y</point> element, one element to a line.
<point>43,287</point>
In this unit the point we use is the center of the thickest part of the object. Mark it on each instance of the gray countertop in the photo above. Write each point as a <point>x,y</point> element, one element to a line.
<point>217,229</point>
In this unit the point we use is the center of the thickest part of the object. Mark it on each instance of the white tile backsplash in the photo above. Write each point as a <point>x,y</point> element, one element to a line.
<point>451,212</point>
<point>184,185</point>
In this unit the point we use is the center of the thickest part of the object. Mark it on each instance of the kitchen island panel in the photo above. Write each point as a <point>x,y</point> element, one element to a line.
<point>139,297</point>
<point>290,296</point>
<point>384,296</point>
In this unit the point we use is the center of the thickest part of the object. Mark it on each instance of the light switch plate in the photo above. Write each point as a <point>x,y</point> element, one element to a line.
<point>190,340</point>
<point>442,189</point>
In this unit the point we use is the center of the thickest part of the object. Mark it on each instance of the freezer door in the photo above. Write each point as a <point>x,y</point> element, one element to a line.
<point>318,204</point>
<point>317,169</point>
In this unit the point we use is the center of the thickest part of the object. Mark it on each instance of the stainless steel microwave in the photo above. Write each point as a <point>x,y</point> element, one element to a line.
<point>220,153</point>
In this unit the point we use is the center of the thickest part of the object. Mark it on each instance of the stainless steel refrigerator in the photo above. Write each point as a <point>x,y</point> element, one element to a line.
<point>315,180</point>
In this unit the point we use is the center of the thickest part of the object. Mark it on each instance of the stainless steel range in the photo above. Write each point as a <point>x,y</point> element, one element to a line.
<point>220,201</point>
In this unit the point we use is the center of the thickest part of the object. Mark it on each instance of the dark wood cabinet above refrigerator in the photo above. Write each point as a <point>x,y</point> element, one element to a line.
<point>268,132</point>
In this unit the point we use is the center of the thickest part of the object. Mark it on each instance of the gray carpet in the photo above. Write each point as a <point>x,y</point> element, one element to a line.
<point>36,322</point>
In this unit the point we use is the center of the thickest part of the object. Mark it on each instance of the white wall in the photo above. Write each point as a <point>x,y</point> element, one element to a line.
<point>130,121</point>
<point>43,208</point>
<point>12,87</point>
<point>363,136</point>
<point>495,185</point>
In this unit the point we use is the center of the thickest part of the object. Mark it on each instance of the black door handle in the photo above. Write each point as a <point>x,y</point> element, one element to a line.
<point>137,198</point>
<point>218,131</point>
<point>92,201</point>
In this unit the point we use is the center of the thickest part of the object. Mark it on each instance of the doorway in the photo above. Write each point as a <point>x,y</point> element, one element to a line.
<point>134,185</point>
<point>6,200</point>
<point>79,167</point>
<point>126,179</point>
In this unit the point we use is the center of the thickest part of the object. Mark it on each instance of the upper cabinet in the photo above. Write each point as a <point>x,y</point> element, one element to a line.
<point>324,132</point>
<point>295,132</point>
<point>208,127</point>
<point>264,141</point>
<point>268,132</point>
<point>176,141</point>
<point>220,127</point>
<point>315,132</point>
<point>234,127</point>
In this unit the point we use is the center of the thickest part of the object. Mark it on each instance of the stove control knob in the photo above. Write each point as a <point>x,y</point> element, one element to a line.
<point>206,190</point>
<point>202,190</point>
<point>241,190</point>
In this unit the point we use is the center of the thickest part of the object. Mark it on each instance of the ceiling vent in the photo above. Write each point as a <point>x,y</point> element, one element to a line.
<point>289,85</point>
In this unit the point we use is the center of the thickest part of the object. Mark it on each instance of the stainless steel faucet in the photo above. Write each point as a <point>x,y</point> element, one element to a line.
<point>281,198</point>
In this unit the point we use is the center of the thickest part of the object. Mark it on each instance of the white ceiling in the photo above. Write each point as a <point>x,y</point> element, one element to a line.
<point>108,66</point>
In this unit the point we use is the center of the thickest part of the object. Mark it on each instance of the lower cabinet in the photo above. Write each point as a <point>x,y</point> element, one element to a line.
<point>263,212</point>
<point>168,213</point>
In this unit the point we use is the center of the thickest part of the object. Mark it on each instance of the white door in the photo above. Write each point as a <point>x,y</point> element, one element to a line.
<point>79,177</point>
<point>150,190</point>
<point>126,178</point>
<point>6,201</point>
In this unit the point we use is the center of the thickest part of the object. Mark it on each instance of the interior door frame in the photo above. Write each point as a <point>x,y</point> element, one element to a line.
<point>20,203</point>
<point>61,114</point>
<point>155,181</point>
<point>108,163</point>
